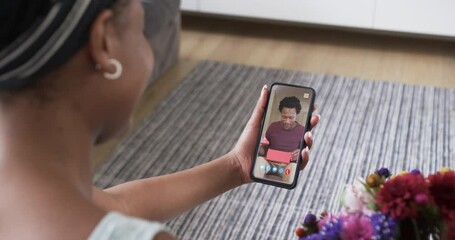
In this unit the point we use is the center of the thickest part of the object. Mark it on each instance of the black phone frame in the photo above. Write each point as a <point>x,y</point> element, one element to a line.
<point>302,144</point>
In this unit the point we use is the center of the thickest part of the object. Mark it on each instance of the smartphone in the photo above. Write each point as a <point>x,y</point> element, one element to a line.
<point>277,157</point>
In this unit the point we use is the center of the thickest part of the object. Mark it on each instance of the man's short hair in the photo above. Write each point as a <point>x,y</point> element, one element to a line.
<point>291,102</point>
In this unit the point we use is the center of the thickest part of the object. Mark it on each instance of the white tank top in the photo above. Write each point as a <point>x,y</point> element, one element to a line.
<point>116,226</point>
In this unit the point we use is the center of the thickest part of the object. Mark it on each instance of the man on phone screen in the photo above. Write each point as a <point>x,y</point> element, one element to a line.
<point>284,135</point>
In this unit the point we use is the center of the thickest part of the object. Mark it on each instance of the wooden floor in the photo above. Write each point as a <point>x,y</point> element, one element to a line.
<point>368,56</point>
<point>398,59</point>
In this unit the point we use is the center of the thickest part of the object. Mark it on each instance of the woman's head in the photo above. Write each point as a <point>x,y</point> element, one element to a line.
<point>289,108</point>
<point>59,51</point>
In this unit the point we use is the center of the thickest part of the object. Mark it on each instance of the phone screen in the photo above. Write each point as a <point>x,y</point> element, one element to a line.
<point>281,138</point>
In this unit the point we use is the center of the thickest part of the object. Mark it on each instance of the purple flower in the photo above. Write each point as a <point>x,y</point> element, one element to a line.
<point>313,237</point>
<point>309,219</point>
<point>416,171</point>
<point>383,227</point>
<point>332,229</point>
<point>384,172</point>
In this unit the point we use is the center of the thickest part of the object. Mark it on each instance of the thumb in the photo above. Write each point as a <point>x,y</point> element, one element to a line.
<point>259,109</point>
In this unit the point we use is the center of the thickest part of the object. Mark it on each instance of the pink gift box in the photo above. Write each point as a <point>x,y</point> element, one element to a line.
<point>278,156</point>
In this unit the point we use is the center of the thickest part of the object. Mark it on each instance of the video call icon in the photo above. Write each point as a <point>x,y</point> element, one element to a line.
<point>281,170</point>
<point>267,168</point>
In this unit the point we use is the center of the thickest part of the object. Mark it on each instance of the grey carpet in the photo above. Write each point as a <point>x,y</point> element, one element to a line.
<point>365,125</point>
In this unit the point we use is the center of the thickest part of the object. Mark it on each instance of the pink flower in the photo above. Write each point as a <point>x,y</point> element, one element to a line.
<point>421,198</point>
<point>356,199</point>
<point>356,227</point>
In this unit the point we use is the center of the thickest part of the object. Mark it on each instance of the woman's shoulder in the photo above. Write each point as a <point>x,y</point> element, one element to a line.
<point>116,226</point>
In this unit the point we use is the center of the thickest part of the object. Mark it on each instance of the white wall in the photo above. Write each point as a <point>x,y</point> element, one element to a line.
<point>433,17</point>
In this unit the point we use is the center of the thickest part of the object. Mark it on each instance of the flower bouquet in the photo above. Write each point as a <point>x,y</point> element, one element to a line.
<point>405,206</point>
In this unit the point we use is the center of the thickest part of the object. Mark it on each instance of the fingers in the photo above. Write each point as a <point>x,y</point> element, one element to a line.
<point>251,131</point>
<point>314,120</point>
<point>305,158</point>
<point>308,139</point>
<point>306,151</point>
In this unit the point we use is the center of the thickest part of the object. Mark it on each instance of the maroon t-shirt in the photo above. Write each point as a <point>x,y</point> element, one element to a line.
<point>282,139</point>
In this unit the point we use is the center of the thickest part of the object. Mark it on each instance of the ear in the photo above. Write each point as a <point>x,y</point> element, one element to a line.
<point>101,40</point>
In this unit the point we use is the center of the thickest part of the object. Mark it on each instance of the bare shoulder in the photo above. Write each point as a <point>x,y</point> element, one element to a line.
<point>53,222</point>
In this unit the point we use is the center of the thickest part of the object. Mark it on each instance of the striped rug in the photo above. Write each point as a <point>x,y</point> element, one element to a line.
<point>365,125</point>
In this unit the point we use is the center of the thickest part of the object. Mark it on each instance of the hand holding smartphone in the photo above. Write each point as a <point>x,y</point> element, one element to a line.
<point>286,119</point>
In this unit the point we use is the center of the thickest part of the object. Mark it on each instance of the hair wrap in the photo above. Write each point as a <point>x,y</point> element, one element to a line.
<point>51,39</point>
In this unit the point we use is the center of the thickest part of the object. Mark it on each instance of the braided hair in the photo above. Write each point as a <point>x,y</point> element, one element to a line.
<point>18,16</point>
<point>38,36</point>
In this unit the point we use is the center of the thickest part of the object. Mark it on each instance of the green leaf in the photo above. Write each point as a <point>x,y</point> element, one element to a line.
<point>369,191</point>
<point>342,197</point>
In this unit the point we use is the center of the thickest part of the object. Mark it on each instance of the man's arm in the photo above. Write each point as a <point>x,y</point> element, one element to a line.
<point>161,198</point>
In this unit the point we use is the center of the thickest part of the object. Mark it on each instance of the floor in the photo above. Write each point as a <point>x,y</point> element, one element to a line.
<point>398,59</point>
<point>365,55</point>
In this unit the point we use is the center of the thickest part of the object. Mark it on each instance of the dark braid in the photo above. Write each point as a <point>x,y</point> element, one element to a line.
<point>20,19</point>
<point>18,16</point>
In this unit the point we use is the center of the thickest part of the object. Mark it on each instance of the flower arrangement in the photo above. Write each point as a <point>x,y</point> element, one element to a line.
<point>405,206</point>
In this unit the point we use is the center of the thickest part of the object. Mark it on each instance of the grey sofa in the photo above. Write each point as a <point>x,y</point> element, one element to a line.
<point>162,29</point>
